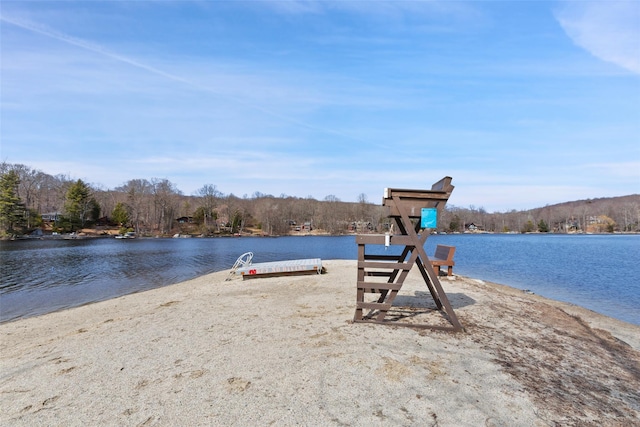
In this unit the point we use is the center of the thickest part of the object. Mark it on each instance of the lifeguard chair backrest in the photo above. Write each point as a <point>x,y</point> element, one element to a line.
<point>414,200</point>
<point>443,185</point>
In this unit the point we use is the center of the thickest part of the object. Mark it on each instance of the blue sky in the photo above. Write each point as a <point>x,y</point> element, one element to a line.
<point>523,103</point>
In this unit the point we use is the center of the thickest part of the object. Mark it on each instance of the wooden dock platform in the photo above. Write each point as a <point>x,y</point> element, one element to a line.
<point>279,268</point>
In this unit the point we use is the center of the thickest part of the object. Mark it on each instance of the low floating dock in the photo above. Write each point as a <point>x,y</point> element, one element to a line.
<point>279,268</point>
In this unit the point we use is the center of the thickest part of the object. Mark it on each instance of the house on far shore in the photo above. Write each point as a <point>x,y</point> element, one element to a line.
<point>185,220</point>
<point>51,216</point>
<point>472,228</point>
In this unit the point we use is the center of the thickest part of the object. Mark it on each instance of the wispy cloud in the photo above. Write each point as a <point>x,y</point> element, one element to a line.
<point>609,30</point>
<point>48,32</point>
<point>389,10</point>
<point>51,33</point>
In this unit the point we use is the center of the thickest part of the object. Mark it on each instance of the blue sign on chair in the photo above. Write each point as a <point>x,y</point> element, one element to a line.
<point>429,218</point>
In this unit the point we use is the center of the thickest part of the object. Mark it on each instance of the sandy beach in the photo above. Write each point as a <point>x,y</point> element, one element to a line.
<point>283,351</point>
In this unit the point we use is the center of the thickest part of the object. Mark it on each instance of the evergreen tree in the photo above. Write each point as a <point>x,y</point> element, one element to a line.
<point>455,224</point>
<point>236,222</point>
<point>80,206</point>
<point>120,214</point>
<point>11,207</point>
<point>543,227</point>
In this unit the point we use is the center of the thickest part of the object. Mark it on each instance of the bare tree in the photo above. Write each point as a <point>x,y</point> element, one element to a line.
<point>138,193</point>
<point>165,203</point>
<point>209,196</point>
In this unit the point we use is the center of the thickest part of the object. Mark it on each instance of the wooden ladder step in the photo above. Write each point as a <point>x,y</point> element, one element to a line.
<point>378,273</point>
<point>373,305</point>
<point>367,286</point>
<point>385,265</point>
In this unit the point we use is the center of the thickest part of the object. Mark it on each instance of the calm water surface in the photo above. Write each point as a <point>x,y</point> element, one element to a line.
<point>599,272</point>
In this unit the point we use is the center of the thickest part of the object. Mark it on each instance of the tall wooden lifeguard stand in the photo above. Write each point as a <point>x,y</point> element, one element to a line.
<point>412,211</point>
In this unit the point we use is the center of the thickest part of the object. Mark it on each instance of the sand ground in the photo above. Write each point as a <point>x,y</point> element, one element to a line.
<point>283,351</point>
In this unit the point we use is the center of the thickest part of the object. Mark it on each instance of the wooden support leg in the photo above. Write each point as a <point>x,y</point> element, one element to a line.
<point>359,298</point>
<point>422,255</point>
<point>434,294</point>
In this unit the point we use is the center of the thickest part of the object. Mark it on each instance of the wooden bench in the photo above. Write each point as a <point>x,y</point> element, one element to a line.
<point>443,256</point>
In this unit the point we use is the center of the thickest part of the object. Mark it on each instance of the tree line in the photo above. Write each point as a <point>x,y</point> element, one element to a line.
<point>31,199</point>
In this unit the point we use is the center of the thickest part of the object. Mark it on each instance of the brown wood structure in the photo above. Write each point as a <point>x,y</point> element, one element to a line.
<point>405,208</point>
<point>443,257</point>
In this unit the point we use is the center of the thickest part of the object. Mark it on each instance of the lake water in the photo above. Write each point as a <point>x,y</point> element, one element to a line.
<point>599,272</point>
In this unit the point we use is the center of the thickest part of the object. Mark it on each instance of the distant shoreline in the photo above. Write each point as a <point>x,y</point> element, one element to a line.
<point>100,234</point>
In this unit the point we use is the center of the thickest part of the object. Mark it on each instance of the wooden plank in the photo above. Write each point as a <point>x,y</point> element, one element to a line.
<point>410,325</point>
<point>443,185</point>
<point>379,239</point>
<point>379,273</point>
<point>384,265</point>
<point>359,298</point>
<point>372,290</point>
<point>385,286</point>
<point>405,193</point>
<point>278,274</point>
<point>360,256</point>
<point>382,258</point>
<point>373,306</point>
<point>444,252</point>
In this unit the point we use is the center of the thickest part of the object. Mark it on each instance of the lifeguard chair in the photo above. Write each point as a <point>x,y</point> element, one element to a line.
<point>411,211</point>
